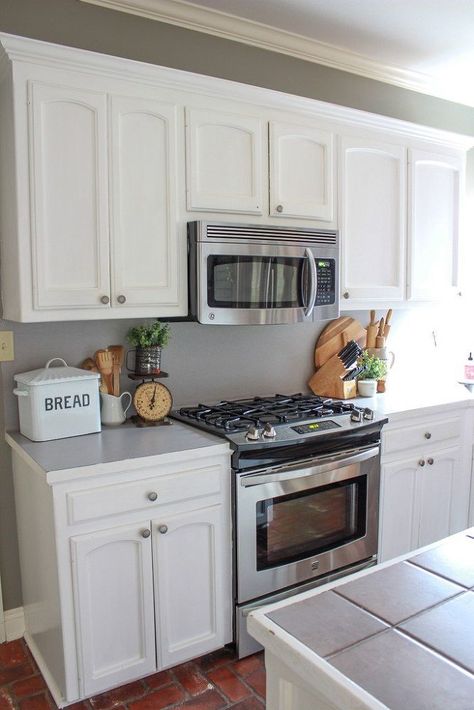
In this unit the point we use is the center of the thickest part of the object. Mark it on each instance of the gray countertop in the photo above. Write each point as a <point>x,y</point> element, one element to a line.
<point>125,443</point>
<point>403,632</point>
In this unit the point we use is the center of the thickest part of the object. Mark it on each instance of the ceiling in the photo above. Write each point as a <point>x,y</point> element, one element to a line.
<point>426,45</point>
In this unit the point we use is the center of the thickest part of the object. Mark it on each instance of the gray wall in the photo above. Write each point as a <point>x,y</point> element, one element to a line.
<point>208,362</point>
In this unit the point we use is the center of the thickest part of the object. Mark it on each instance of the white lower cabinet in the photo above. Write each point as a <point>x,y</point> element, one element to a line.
<point>424,490</point>
<point>124,572</point>
<point>113,592</point>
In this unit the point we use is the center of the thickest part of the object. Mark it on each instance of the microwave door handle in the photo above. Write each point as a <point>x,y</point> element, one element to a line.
<point>313,282</point>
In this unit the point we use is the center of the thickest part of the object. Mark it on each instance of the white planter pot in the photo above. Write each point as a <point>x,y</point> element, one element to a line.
<point>367,388</point>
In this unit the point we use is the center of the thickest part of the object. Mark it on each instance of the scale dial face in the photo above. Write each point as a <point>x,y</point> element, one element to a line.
<point>153,401</point>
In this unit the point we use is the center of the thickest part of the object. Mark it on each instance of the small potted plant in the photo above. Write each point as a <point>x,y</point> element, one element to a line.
<point>374,369</point>
<point>148,340</point>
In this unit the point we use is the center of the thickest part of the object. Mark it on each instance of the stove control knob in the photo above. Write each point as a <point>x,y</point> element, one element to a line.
<point>368,414</point>
<point>269,431</point>
<point>252,434</point>
<point>356,415</point>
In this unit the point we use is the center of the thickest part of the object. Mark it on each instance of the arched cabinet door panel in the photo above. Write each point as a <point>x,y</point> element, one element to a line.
<point>113,597</point>
<point>224,161</point>
<point>301,172</point>
<point>69,197</point>
<point>372,198</point>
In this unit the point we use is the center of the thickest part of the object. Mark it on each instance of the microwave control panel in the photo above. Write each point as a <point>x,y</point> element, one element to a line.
<point>326,271</point>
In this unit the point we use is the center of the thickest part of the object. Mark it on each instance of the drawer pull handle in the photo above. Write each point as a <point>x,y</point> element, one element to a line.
<point>427,435</point>
<point>421,462</point>
<point>431,461</point>
<point>279,208</point>
<point>346,294</point>
<point>153,495</point>
<point>162,529</point>
<point>146,533</point>
<point>104,300</point>
<point>121,299</point>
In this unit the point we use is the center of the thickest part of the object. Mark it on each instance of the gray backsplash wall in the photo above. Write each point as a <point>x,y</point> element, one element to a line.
<point>204,362</point>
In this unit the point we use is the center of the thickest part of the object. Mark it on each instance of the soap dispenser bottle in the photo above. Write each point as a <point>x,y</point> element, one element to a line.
<point>469,368</point>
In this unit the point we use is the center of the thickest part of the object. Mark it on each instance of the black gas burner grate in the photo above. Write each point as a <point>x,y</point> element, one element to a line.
<point>238,415</point>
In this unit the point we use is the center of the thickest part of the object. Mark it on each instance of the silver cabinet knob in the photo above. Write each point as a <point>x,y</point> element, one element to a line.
<point>421,462</point>
<point>105,300</point>
<point>431,461</point>
<point>153,495</point>
<point>427,435</point>
<point>146,533</point>
<point>279,208</point>
<point>346,294</point>
<point>121,299</point>
<point>162,529</point>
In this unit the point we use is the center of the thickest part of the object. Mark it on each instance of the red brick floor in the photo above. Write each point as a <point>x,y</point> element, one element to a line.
<point>214,682</point>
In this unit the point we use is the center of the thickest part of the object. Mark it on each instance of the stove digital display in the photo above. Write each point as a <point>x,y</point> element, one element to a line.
<point>315,426</point>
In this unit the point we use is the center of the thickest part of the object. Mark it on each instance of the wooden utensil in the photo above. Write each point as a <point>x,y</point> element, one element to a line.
<point>104,362</point>
<point>387,327</point>
<point>380,340</point>
<point>118,354</point>
<point>335,336</point>
<point>371,330</point>
<point>89,364</point>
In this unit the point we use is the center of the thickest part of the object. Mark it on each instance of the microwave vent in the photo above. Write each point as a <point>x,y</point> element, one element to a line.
<point>270,232</point>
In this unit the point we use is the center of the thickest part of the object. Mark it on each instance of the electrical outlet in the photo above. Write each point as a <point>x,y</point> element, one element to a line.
<point>6,346</point>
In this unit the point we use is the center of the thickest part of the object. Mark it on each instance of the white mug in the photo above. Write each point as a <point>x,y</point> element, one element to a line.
<point>112,411</point>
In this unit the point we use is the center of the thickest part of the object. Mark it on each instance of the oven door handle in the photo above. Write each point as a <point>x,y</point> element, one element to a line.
<point>313,282</point>
<point>321,464</point>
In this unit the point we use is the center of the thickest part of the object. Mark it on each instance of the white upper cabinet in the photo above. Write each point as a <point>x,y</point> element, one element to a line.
<point>372,220</point>
<point>435,186</point>
<point>301,172</point>
<point>224,160</point>
<point>143,203</point>
<point>69,230</point>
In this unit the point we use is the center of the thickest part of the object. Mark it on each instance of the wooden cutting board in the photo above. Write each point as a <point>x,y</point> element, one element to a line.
<point>335,336</point>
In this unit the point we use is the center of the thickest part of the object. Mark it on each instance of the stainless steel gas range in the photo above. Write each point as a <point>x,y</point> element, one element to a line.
<point>305,488</point>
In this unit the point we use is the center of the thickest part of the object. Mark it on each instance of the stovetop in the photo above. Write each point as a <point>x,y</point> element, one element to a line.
<point>276,418</point>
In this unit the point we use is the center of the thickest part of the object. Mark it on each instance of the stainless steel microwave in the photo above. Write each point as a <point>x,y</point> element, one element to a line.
<point>242,274</point>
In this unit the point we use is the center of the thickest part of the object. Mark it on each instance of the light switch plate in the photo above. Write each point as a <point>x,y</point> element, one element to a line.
<point>6,346</point>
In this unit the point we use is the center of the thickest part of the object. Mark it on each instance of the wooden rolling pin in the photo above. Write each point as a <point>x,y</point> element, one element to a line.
<point>387,327</point>
<point>371,331</point>
<point>380,340</point>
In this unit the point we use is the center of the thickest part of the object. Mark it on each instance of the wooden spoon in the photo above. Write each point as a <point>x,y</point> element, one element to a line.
<point>387,327</point>
<point>104,362</point>
<point>371,330</point>
<point>118,354</point>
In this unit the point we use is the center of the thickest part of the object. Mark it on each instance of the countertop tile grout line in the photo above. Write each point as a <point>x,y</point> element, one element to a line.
<point>436,574</point>
<point>436,651</point>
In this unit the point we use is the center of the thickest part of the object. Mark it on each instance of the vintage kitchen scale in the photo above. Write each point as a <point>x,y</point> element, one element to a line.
<point>152,400</point>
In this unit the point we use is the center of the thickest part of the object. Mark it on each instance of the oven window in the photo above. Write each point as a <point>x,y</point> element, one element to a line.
<point>307,523</point>
<point>255,282</point>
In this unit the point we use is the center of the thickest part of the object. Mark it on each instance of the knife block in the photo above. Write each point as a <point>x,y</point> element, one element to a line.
<point>327,380</point>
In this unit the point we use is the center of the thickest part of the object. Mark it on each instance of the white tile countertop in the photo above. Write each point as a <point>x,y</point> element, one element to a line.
<point>399,635</point>
<point>99,453</point>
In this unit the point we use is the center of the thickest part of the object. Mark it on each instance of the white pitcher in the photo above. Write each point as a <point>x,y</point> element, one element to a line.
<point>112,411</point>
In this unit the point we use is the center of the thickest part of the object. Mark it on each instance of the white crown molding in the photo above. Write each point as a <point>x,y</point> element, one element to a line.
<point>38,52</point>
<point>238,29</point>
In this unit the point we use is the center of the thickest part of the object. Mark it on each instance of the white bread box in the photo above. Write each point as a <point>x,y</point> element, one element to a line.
<point>56,402</point>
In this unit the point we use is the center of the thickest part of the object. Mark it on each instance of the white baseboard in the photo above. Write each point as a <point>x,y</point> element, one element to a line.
<point>14,623</point>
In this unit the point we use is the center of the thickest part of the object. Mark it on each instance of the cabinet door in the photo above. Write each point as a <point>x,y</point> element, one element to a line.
<point>440,489</point>
<point>192,597</point>
<point>301,172</point>
<point>113,595</point>
<point>224,159</point>
<point>434,189</point>
<point>145,245</point>
<point>398,508</point>
<point>372,219</point>
<point>70,236</point>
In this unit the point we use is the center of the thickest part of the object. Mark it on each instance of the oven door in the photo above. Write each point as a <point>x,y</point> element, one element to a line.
<point>247,284</point>
<point>296,523</point>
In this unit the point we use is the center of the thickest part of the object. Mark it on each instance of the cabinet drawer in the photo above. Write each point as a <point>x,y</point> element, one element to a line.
<point>126,497</point>
<point>423,434</point>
